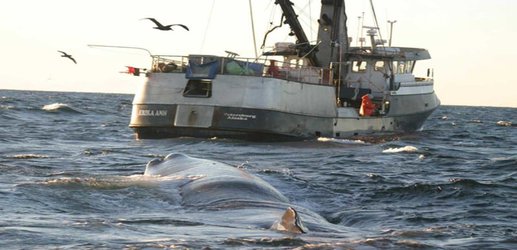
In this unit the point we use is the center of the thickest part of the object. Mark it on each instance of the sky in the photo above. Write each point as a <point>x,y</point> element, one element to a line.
<point>471,41</point>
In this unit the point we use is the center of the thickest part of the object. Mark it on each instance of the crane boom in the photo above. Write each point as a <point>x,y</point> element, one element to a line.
<point>305,49</point>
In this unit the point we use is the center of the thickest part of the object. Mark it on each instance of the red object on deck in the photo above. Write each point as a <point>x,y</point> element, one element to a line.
<point>273,69</point>
<point>367,106</point>
<point>132,70</point>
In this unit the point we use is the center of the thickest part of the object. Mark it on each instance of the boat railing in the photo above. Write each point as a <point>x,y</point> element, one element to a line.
<point>261,67</point>
<point>307,74</point>
<point>419,81</point>
<point>169,64</point>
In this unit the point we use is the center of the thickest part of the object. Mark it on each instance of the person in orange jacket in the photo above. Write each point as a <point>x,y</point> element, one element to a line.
<point>367,106</point>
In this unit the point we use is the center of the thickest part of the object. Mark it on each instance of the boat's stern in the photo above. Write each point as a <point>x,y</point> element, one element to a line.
<point>239,99</point>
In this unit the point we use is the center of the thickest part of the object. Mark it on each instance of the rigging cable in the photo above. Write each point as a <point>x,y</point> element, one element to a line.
<point>253,30</point>
<point>207,25</point>
<point>376,22</point>
<point>390,65</point>
<point>306,18</point>
<point>271,30</point>
<point>310,20</point>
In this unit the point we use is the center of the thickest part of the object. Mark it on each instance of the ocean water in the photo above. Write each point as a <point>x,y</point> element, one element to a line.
<point>71,177</point>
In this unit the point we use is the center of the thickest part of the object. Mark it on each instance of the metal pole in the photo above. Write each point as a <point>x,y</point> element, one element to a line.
<point>391,30</point>
<point>358,30</point>
<point>362,31</point>
<point>253,29</point>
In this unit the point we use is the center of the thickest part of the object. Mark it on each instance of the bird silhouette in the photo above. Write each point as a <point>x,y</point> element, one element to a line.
<point>67,55</point>
<point>160,26</point>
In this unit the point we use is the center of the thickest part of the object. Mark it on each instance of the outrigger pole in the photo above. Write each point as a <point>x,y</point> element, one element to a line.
<point>119,47</point>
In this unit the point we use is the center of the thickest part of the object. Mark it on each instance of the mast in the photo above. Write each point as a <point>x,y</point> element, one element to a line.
<point>304,48</point>
<point>332,32</point>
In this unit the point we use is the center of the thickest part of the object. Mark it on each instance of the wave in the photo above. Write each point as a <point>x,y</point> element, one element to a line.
<point>266,242</point>
<point>8,103</point>
<point>92,182</point>
<point>29,156</point>
<point>61,107</point>
<point>158,221</point>
<point>454,189</point>
<point>505,124</point>
<point>416,190</point>
<point>503,162</point>
<point>6,107</point>
<point>117,182</point>
<point>466,182</point>
<point>406,149</point>
<point>341,141</point>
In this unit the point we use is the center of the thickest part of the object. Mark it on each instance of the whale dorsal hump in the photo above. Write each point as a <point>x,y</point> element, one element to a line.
<point>290,222</point>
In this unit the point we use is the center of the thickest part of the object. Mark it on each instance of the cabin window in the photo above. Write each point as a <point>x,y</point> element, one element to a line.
<point>294,62</point>
<point>410,65</point>
<point>198,88</point>
<point>359,66</point>
<point>379,66</point>
<point>401,69</point>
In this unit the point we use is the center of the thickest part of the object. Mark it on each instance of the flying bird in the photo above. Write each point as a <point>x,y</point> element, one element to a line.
<point>160,26</point>
<point>67,55</point>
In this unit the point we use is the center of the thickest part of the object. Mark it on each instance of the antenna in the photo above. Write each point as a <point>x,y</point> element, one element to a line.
<point>391,30</point>
<point>361,38</point>
<point>371,28</point>
<point>358,29</point>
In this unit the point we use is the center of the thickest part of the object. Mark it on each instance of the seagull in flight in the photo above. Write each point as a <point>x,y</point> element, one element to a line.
<point>160,26</point>
<point>67,55</point>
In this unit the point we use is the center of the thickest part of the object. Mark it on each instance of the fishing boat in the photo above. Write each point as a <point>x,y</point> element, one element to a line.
<point>296,90</point>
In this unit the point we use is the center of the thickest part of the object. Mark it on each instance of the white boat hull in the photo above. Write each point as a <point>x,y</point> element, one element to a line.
<point>251,107</point>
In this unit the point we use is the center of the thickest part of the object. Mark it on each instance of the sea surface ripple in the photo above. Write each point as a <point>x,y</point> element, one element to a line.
<point>72,178</point>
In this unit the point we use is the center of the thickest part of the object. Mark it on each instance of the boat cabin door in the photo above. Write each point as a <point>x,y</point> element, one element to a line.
<point>371,76</point>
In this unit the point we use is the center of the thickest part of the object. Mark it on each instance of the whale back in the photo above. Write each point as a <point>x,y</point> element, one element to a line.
<point>217,184</point>
<point>172,164</point>
<point>235,195</point>
<point>230,191</point>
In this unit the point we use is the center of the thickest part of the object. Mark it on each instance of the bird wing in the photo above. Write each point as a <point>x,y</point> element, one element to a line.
<point>181,25</point>
<point>154,21</point>
<point>67,55</point>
